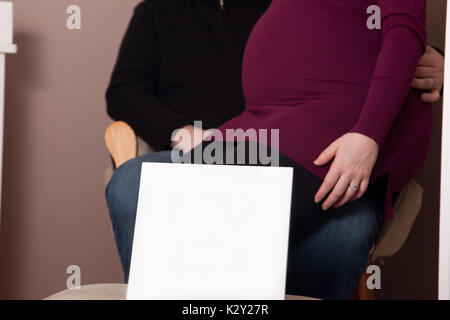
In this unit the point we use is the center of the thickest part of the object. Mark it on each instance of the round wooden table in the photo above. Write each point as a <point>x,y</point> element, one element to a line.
<point>112,291</point>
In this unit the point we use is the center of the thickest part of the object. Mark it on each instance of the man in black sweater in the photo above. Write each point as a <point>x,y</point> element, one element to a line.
<point>180,61</point>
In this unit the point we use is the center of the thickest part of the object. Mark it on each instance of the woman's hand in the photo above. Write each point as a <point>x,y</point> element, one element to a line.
<point>348,178</point>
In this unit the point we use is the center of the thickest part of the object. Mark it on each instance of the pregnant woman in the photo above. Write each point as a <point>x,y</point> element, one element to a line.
<point>339,93</point>
<point>348,124</point>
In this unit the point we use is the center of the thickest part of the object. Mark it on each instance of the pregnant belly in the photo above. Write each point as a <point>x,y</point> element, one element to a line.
<point>312,125</point>
<point>302,131</point>
<point>303,50</point>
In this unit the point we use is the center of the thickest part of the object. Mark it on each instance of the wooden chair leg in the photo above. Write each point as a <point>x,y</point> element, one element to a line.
<point>362,292</point>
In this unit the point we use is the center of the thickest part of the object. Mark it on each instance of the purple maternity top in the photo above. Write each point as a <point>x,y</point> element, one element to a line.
<point>315,71</point>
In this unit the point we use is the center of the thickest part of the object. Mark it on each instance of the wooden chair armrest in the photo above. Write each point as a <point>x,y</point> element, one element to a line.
<point>121,142</point>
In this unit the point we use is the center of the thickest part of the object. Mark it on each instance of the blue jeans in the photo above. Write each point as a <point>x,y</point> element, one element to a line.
<point>326,261</point>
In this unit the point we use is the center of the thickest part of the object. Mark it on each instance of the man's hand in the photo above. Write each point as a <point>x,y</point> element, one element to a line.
<point>430,75</point>
<point>188,137</point>
<point>354,156</point>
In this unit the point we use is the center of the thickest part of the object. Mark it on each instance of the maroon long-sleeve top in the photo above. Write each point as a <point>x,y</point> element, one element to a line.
<point>315,71</point>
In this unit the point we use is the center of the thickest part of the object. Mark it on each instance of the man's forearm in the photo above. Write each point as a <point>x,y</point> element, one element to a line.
<point>429,76</point>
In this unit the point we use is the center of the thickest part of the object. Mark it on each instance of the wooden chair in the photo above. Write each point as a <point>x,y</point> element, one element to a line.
<point>123,145</point>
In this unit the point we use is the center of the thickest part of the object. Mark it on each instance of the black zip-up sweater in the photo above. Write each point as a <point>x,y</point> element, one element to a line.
<point>180,61</point>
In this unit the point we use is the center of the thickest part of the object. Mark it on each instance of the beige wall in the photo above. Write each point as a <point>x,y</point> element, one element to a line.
<point>54,212</point>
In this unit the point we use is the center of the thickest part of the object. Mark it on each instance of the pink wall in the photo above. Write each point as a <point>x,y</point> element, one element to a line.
<point>54,212</point>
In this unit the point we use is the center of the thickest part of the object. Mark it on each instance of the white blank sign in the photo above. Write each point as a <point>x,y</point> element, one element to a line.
<point>211,232</point>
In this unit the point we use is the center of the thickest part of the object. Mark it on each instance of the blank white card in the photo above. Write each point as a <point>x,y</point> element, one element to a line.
<point>211,232</point>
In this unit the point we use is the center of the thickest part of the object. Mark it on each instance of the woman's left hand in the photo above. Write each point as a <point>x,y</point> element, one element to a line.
<point>348,178</point>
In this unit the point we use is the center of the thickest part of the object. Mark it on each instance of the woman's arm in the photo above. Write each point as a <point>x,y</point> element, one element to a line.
<point>131,96</point>
<point>403,44</point>
<point>355,153</point>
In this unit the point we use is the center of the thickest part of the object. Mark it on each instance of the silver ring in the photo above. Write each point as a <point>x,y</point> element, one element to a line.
<point>353,187</point>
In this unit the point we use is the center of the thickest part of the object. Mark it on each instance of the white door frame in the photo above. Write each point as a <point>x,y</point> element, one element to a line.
<point>444,223</point>
<point>6,47</point>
